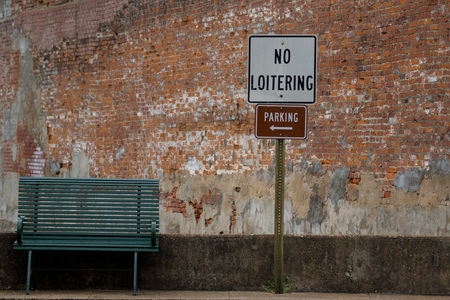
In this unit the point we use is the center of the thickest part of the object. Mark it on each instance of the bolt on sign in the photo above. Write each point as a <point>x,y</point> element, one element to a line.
<point>282,69</point>
<point>281,122</point>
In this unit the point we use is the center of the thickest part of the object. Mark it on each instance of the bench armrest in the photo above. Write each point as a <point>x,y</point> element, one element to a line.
<point>20,230</point>
<point>153,233</point>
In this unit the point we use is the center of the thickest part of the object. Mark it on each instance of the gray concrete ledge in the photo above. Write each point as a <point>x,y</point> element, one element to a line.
<point>330,264</point>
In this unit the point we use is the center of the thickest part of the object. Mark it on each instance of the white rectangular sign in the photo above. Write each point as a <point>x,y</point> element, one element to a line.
<point>282,69</point>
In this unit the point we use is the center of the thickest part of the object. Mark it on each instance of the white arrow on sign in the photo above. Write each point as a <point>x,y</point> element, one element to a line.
<point>273,128</point>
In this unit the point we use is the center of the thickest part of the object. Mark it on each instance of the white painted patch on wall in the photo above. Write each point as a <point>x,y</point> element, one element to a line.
<point>193,165</point>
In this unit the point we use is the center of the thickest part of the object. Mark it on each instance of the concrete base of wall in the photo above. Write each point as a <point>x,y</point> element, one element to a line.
<point>350,264</point>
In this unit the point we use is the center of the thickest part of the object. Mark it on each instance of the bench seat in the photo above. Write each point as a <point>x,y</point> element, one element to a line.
<point>86,244</point>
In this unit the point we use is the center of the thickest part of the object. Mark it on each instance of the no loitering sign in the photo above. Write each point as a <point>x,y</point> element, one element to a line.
<point>282,69</point>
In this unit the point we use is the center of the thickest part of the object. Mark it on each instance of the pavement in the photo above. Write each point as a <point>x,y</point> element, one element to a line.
<point>213,295</point>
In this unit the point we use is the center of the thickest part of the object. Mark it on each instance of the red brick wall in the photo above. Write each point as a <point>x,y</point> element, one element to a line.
<point>147,88</point>
<point>174,75</point>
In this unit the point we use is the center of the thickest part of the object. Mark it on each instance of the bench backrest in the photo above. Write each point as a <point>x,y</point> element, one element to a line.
<point>89,207</point>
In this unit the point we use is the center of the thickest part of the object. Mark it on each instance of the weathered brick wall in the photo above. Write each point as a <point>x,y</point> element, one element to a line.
<point>158,89</point>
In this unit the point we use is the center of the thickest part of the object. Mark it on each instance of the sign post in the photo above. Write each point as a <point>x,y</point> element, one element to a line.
<point>279,215</point>
<point>281,71</point>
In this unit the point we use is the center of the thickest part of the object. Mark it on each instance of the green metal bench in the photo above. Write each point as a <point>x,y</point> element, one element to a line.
<point>88,214</point>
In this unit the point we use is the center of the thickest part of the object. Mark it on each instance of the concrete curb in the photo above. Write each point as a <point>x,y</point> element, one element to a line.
<point>214,295</point>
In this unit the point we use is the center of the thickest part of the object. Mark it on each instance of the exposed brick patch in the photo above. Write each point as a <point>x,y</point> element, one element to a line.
<point>59,22</point>
<point>198,209</point>
<point>233,217</point>
<point>9,159</point>
<point>355,178</point>
<point>171,203</point>
<point>24,156</point>
<point>21,6</point>
<point>212,198</point>
<point>32,154</point>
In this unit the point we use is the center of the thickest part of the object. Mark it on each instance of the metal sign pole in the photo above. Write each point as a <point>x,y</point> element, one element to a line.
<point>279,214</point>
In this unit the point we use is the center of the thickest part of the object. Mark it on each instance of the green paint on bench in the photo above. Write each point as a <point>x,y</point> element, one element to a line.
<point>88,214</point>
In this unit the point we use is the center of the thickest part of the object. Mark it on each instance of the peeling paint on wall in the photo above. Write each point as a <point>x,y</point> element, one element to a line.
<point>311,205</point>
<point>8,202</point>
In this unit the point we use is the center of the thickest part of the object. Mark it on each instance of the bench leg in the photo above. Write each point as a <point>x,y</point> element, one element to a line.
<point>135,273</point>
<point>29,271</point>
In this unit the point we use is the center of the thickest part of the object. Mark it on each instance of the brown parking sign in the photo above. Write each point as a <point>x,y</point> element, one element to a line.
<point>281,122</point>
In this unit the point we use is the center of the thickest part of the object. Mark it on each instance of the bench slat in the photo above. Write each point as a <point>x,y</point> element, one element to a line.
<point>34,226</point>
<point>81,194</point>
<point>82,220</point>
<point>90,189</point>
<point>110,214</point>
<point>86,235</point>
<point>117,205</point>
<point>91,226</point>
<point>84,202</point>
<point>87,179</point>
<point>87,243</point>
<point>86,209</point>
<point>32,218</point>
